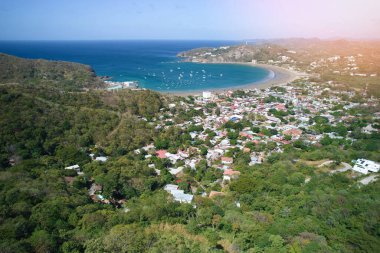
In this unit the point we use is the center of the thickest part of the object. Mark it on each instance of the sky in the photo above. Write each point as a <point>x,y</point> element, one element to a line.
<point>188,19</point>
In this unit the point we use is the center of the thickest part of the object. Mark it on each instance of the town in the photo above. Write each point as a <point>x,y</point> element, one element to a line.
<point>232,129</point>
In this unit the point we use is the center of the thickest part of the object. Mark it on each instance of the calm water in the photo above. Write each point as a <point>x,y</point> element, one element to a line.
<point>153,63</point>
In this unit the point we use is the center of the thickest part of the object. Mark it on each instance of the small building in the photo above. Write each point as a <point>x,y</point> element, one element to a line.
<point>227,160</point>
<point>161,153</point>
<point>369,129</point>
<point>76,168</point>
<point>366,166</point>
<point>101,159</point>
<point>73,167</point>
<point>178,195</point>
<point>207,95</point>
<point>294,132</point>
<point>175,171</point>
<point>230,174</point>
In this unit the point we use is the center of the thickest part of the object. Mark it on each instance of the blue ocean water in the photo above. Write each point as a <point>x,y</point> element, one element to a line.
<point>153,63</point>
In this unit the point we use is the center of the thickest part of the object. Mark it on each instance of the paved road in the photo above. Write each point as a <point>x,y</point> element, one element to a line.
<point>368,179</point>
<point>346,167</point>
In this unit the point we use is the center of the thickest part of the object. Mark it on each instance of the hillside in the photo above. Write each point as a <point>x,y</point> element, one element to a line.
<point>242,53</point>
<point>67,75</point>
<point>352,64</point>
<point>135,171</point>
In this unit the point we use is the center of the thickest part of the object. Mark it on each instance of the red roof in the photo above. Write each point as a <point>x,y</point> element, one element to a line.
<point>230,172</point>
<point>227,159</point>
<point>281,107</point>
<point>293,132</point>
<point>244,134</point>
<point>161,153</point>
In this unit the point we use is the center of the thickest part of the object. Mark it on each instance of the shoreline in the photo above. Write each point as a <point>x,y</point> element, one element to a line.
<point>281,76</point>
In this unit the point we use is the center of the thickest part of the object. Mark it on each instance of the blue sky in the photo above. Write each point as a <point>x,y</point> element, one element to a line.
<point>190,19</point>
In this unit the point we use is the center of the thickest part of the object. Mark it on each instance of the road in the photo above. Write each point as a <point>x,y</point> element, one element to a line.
<point>368,179</point>
<point>346,167</point>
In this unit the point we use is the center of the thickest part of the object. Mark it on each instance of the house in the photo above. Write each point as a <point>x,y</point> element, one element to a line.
<point>207,94</point>
<point>246,150</point>
<point>366,166</point>
<point>178,195</point>
<point>73,167</point>
<point>227,160</point>
<point>161,153</point>
<point>94,188</point>
<point>170,187</point>
<point>255,160</point>
<point>173,157</point>
<point>176,171</point>
<point>101,159</point>
<point>182,197</point>
<point>230,174</point>
<point>76,168</point>
<point>294,132</point>
<point>369,129</point>
<point>281,107</point>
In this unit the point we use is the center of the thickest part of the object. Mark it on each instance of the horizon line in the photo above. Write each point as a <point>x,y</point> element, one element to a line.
<point>152,39</point>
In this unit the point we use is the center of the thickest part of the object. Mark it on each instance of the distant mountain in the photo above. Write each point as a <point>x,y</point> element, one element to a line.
<point>68,75</point>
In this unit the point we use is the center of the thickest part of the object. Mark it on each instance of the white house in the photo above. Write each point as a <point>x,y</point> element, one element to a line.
<point>207,94</point>
<point>174,171</point>
<point>73,167</point>
<point>366,166</point>
<point>368,129</point>
<point>178,195</point>
<point>101,159</point>
<point>76,168</point>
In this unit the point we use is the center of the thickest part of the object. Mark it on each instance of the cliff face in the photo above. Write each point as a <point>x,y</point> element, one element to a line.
<point>67,74</point>
<point>242,53</point>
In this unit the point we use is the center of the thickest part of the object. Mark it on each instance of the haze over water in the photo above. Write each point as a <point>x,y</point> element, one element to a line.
<point>153,63</point>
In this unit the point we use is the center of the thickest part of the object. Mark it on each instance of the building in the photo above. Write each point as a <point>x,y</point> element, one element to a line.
<point>230,174</point>
<point>101,159</point>
<point>73,167</point>
<point>366,166</point>
<point>227,160</point>
<point>161,153</point>
<point>114,86</point>
<point>207,95</point>
<point>294,132</point>
<point>178,195</point>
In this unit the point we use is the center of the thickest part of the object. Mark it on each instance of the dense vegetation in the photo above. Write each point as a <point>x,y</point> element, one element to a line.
<point>282,205</point>
<point>66,75</point>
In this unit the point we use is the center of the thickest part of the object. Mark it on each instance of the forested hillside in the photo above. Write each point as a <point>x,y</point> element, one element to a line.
<point>66,75</point>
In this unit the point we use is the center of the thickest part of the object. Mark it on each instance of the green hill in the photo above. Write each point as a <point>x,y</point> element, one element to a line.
<point>68,75</point>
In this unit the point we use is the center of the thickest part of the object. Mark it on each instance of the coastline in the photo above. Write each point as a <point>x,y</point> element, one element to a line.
<point>280,76</point>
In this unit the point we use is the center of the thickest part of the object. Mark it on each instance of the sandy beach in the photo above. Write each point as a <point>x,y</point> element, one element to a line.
<point>278,76</point>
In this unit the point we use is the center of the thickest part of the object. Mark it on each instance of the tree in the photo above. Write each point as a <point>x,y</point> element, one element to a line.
<point>42,242</point>
<point>326,140</point>
<point>277,244</point>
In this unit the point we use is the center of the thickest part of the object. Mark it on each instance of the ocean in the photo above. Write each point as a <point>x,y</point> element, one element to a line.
<point>152,63</point>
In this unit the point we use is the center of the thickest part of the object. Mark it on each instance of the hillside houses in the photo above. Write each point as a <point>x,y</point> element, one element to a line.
<point>253,124</point>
